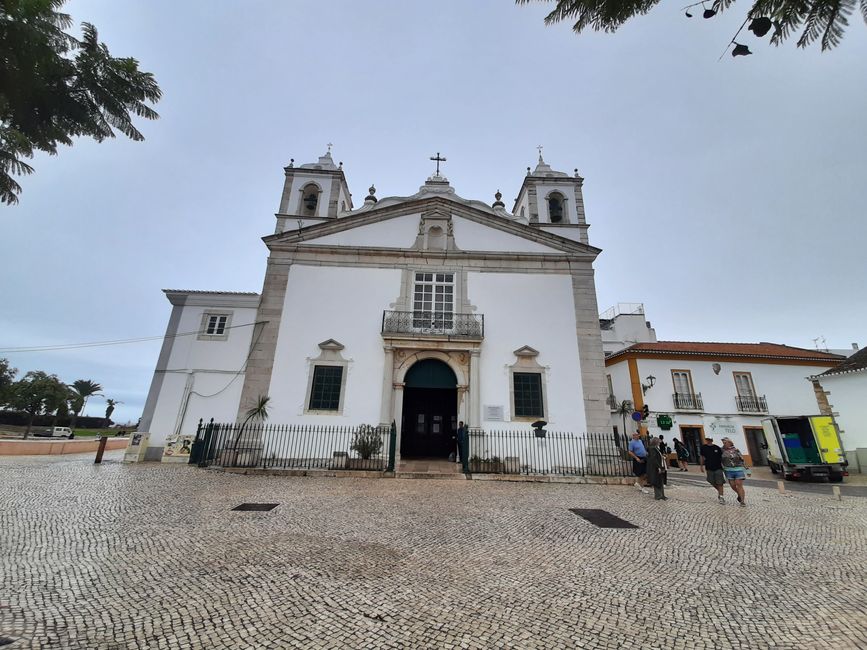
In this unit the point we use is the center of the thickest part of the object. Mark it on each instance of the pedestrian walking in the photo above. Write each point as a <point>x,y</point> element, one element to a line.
<point>734,469</point>
<point>639,465</point>
<point>656,469</point>
<point>711,462</point>
<point>682,455</point>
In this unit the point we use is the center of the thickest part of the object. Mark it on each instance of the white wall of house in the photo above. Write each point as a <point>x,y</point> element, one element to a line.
<point>340,303</point>
<point>783,385</point>
<point>202,378</point>
<point>535,310</point>
<point>848,400</point>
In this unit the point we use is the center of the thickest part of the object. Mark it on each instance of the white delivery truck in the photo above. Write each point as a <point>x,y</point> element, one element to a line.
<point>805,446</point>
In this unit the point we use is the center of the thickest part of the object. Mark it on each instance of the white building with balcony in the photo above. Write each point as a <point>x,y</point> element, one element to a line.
<point>422,310</point>
<point>693,390</point>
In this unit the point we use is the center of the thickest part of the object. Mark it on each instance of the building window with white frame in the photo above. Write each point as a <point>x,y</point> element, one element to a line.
<point>215,326</point>
<point>684,395</point>
<point>433,301</point>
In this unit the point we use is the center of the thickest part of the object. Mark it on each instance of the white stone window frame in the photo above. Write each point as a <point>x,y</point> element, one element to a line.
<point>302,191</point>
<point>329,356</point>
<point>564,200</point>
<point>206,317</point>
<point>434,283</point>
<point>527,363</point>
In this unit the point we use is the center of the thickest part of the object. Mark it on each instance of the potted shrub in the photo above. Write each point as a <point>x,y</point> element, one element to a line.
<point>367,443</point>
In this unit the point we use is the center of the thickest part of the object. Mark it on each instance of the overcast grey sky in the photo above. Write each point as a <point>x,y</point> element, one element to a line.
<point>728,196</point>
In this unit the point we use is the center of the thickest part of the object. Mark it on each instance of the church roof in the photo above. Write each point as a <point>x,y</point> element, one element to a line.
<point>762,350</point>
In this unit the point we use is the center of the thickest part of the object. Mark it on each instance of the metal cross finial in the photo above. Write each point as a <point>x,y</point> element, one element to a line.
<point>439,160</point>
<point>539,147</point>
<point>329,148</point>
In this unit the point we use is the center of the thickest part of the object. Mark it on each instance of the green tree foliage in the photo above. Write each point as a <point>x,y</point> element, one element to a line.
<point>816,20</point>
<point>36,393</point>
<point>54,87</point>
<point>7,379</point>
<point>259,411</point>
<point>110,405</point>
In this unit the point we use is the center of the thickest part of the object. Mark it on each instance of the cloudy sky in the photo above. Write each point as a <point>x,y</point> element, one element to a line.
<point>727,195</point>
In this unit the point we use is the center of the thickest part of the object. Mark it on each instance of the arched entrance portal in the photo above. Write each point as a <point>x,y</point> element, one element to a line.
<point>430,410</point>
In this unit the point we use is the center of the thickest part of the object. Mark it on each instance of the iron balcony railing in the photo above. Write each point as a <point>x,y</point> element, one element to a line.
<point>284,446</point>
<point>612,402</point>
<point>545,453</point>
<point>752,404</point>
<point>435,323</point>
<point>688,401</point>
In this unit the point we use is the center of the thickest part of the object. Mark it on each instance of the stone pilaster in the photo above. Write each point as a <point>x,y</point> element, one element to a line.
<point>257,379</point>
<point>590,349</point>
<point>385,412</point>
<point>475,390</point>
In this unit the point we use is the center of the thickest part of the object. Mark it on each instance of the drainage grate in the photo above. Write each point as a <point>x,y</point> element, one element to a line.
<point>256,506</point>
<point>602,518</point>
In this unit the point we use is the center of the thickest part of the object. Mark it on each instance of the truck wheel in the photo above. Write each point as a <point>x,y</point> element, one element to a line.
<point>774,469</point>
<point>835,478</point>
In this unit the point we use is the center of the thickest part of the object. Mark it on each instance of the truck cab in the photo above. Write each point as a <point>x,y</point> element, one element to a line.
<point>805,447</point>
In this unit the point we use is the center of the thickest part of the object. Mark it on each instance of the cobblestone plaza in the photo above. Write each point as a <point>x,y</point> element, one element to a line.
<point>152,556</point>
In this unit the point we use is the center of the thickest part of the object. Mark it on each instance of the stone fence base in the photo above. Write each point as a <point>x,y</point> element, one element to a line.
<point>37,447</point>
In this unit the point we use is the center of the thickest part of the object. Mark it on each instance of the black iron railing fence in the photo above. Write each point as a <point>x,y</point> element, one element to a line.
<point>688,401</point>
<point>284,446</point>
<point>431,322</point>
<point>752,404</point>
<point>556,453</point>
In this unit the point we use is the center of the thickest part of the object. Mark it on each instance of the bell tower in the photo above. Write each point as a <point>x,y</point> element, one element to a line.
<point>553,201</point>
<point>313,192</point>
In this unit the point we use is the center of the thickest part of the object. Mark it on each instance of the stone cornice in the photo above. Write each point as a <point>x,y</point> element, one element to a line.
<point>280,240</point>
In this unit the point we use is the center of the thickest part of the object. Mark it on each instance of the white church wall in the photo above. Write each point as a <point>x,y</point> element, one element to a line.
<point>340,303</point>
<point>535,310</point>
<point>472,236</point>
<point>204,367</point>
<point>569,233</point>
<point>399,232</point>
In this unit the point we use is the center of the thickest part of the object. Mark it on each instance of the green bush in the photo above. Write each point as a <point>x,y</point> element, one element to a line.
<point>367,442</point>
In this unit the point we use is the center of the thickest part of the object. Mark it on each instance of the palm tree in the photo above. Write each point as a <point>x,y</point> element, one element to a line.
<point>623,409</point>
<point>81,390</point>
<point>109,409</point>
<point>258,412</point>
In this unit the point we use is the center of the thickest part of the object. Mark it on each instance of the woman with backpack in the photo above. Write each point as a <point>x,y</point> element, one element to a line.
<point>682,455</point>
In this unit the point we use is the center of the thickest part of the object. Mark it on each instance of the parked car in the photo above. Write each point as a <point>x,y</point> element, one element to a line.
<point>56,432</point>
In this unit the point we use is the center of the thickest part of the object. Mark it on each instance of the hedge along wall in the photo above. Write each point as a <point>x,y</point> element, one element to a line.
<point>20,419</point>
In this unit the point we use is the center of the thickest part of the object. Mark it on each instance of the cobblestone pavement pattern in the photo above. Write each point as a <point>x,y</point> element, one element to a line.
<point>150,556</point>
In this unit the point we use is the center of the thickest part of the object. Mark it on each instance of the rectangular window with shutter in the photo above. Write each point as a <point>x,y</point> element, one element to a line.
<point>325,393</point>
<point>528,395</point>
<point>744,385</point>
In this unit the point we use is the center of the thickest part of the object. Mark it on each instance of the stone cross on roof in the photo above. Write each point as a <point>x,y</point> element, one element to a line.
<point>439,160</point>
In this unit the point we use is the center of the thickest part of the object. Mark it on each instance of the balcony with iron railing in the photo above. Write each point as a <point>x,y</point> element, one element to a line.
<point>428,323</point>
<point>687,401</point>
<point>612,402</point>
<point>751,404</point>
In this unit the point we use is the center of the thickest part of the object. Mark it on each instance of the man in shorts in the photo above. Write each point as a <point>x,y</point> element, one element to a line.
<point>638,454</point>
<point>711,463</point>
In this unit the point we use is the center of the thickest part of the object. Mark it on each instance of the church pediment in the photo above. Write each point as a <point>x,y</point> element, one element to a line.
<point>405,225</point>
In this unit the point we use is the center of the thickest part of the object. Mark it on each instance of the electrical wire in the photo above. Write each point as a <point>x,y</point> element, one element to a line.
<point>96,344</point>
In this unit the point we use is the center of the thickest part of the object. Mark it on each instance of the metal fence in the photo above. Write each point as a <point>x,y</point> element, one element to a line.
<point>432,322</point>
<point>285,446</point>
<point>554,453</point>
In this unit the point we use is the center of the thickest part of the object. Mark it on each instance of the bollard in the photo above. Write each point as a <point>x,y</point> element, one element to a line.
<point>837,494</point>
<point>103,441</point>
<point>781,486</point>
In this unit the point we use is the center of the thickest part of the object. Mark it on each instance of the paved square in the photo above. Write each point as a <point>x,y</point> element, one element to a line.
<point>151,556</point>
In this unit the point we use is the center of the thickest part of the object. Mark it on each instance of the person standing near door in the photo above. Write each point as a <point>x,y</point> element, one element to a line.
<point>682,455</point>
<point>462,441</point>
<point>711,463</point>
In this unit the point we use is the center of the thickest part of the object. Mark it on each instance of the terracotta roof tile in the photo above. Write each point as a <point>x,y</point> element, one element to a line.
<point>760,350</point>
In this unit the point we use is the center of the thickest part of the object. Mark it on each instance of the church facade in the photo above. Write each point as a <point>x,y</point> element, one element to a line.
<point>422,310</point>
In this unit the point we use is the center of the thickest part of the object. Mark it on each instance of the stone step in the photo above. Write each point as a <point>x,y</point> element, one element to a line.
<point>435,475</point>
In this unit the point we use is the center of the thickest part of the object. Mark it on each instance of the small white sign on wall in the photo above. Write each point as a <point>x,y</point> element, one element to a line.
<point>494,412</point>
